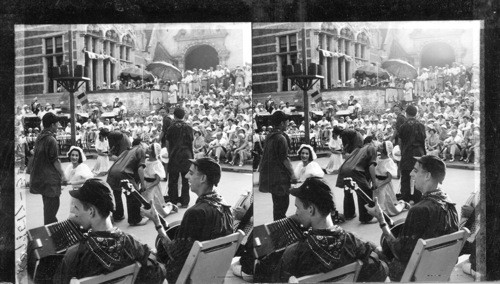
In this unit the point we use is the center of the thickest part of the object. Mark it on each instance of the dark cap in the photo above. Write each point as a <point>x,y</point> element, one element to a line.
<point>179,113</point>
<point>96,192</point>
<point>104,132</point>
<point>208,167</point>
<point>433,165</point>
<point>278,116</point>
<point>50,118</point>
<point>411,110</point>
<point>317,191</point>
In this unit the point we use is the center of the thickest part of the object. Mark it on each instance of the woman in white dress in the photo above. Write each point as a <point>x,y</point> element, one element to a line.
<point>102,165</point>
<point>76,173</point>
<point>384,171</point>
<point>307,167</point>
<point>153,174</point>
<point>336,159</point>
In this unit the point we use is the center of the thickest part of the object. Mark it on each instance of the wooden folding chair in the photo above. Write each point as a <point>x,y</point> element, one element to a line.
<point>348,273</point>
<point>125,275</point>
<point>433,260</point>
<point>209,261</point>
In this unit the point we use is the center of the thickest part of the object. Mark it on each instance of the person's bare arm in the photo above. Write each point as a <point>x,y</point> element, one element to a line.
<point>152,214</point>
<point>140,171</point>
<point>371,169</point>
<point>376,211</point>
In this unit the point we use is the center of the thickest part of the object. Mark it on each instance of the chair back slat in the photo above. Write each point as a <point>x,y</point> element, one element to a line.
<point>209,261</point>
<point>125,275</point>
<point>345,274</point>
<point>433,260</point>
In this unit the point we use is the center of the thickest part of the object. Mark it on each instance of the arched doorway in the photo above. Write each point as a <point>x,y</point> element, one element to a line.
<point>437,54</point>
<point>202,56</point>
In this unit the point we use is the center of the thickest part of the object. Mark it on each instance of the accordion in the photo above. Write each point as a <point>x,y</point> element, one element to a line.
<point>46,248</point>
<point>54,238</point>
<point>275,236</point>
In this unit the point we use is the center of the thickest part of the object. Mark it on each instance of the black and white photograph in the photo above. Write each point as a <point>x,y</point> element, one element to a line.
<point>137,138</point>
<point>132,150</point>
<point>384,113</point>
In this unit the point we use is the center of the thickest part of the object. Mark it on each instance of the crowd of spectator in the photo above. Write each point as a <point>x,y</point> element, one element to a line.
<point>190,82</point>
<point>447,102</point>
<point>223,116</point>
<point>220,116</point>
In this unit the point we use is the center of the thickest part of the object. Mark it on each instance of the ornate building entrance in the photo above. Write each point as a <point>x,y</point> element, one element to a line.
<point>437,54</point>
<point>201,56</point>
<point>200,47</point>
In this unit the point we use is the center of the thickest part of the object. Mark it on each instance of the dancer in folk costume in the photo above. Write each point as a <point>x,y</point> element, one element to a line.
<point>308,167</point>
<point>102,164</point>
<point>384,171</point>
<point>335,146</point>
<point>154,172</point>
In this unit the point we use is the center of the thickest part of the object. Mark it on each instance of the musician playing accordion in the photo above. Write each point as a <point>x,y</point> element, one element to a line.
<point>325,246</point>
<point>433,216</point>
<point>104,248</point>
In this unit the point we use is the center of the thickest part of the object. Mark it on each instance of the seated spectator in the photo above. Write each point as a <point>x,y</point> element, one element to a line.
<point>452,145</point>
<point>432,142</point>
<point>241,150</point>
<point>217,147</point>
<point>199,144</point>
<point>105,248</point>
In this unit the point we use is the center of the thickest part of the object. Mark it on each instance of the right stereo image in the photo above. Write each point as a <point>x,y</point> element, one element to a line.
<point>366,153</point>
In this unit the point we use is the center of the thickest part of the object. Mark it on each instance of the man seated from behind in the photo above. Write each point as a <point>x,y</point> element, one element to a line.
<point>433,216</point>
<point>104,248</point>
<point>209,218</point>
<point>326,246</point>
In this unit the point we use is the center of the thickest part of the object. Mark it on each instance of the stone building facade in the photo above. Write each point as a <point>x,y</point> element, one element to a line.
<point>339,49</point>
<point>104,49</point>
<point>191,46</point>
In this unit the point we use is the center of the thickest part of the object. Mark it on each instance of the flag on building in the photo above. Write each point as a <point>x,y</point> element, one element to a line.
<point>316,96</point>
<point>83,98</point>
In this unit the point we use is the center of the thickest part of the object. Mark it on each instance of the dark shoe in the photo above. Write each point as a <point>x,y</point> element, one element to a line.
<point>184,205</point>
<point>175,208</point>
<point>350,217</point>
<point>337,218</point>
<point>399,196</point>
<point>143,222</point>
<point>118,219</point>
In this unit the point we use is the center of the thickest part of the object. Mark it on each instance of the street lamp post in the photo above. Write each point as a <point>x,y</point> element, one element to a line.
<point>71,82</point>
<point>305,81</point>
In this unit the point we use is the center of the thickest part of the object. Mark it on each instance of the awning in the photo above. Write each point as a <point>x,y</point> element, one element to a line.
<point>93,55</point>
<point>327,53</point>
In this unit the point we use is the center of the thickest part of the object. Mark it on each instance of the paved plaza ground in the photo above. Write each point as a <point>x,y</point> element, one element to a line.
<point>236,181</point>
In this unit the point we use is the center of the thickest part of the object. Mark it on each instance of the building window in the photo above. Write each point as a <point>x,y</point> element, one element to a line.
<point>53,58</point>
<point>363,41</point>
<point>287,55</point>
